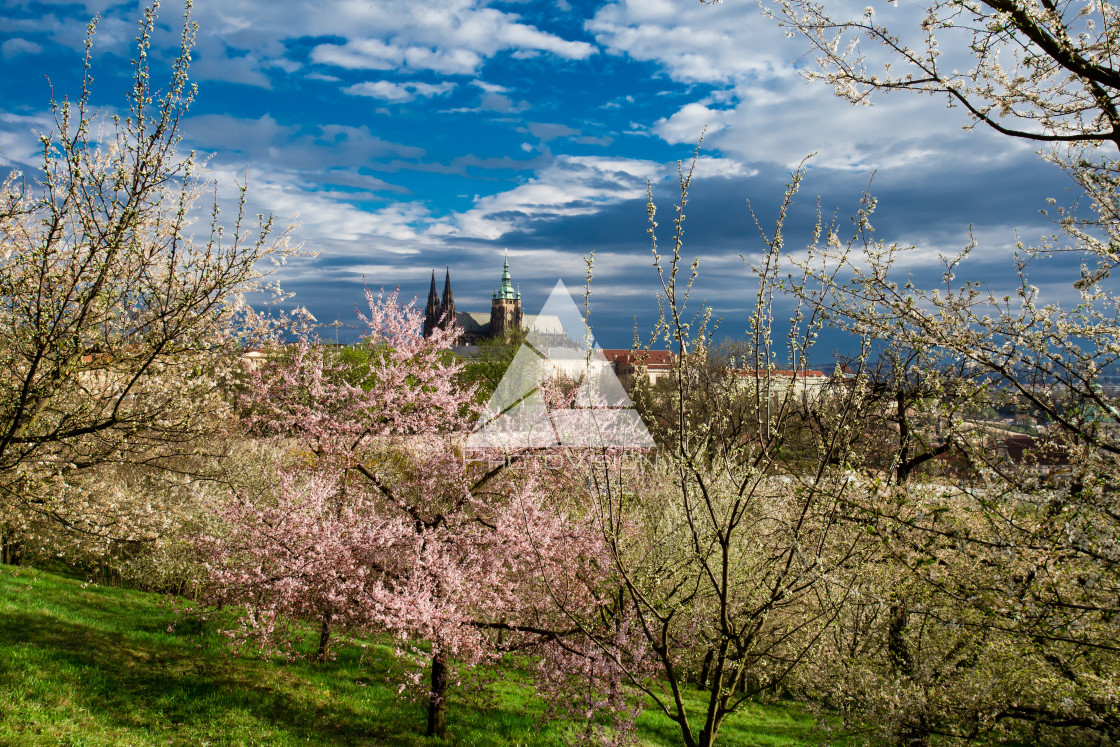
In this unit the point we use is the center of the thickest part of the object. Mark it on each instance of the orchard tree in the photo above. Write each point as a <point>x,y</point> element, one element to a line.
<point>118,316</point>
<point>486,368</point>
<point>377,522</point>
<point>1019,553</point>
<point>730,555</point>
<point>1004,577</point>
<point>919,407</point>
<point>1022,551</point>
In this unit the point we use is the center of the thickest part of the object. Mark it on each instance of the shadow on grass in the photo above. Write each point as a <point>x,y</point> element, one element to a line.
<point>143,686</point>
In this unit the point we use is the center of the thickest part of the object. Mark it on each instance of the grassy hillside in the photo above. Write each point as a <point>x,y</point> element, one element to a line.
<point>87,665</point>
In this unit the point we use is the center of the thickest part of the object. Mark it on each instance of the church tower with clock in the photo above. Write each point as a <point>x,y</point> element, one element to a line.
<point>505,308</point>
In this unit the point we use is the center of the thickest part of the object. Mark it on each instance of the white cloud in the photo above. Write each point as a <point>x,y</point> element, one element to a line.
<point>322,77</point>
<point>363,54</point>
<point>17,47</point>
<point>19,143</point>
<point>571,185</point>
<point>244,41</point>
<point>902,131</point>
<point>686,124</point>
<point>757,107</point>
<point>452,37</point>
<point>327,221</point>
<point>709,167</point>
<point>489,87</point>
<point>695,43</point>
<point>520,37</point>
<point>545,131</point>
<point>493,99</point>
<point>374,54</point>
<point>113,34</point>
<point>398,92</point>
<point>311,148</point>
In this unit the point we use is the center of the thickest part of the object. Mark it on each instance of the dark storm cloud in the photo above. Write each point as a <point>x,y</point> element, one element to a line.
<point>930,208</point>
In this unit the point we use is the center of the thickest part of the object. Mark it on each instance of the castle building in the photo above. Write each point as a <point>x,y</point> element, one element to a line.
<point>505,312</point>
<point>505,317</point>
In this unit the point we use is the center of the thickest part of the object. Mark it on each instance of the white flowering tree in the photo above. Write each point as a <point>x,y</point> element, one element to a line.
<point>730,555</point>
<point>1023,552</point>
<point>1037,70</point>
<point>116,315</point>
<point>1031,69</point>
<point>1020,549</point>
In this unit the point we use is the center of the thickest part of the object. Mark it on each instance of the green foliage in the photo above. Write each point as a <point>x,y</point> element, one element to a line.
<point>356,363</point>
<point>487,367</point>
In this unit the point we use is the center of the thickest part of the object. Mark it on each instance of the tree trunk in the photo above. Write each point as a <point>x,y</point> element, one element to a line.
<point>914,735</point>
<point>917,733</point>
<point>10,548</point>
<point>902,469</point>
<point>897,649</point>
<point>708,738</point>
<point>437,698</point>
<point>324,637</point>
<point>706,669</point>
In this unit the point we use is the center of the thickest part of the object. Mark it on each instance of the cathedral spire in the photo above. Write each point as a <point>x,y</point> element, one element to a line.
<point>447,307</point>
<point>433,311</point>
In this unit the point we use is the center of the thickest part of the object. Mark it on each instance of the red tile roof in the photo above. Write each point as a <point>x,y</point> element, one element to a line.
<point>647,358</point>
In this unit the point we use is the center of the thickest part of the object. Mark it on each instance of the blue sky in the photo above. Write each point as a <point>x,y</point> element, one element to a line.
<point>410,136</point>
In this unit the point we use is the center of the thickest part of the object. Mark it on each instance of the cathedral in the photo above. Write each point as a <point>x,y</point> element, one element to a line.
<point>505,312</point>
<point>549,335</point>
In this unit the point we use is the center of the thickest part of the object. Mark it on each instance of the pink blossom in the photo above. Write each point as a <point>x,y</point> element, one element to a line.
<point>375,523</point>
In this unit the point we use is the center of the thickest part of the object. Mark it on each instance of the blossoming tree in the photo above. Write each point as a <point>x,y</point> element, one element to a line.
<point>117,316</point>
<point>377,522</point>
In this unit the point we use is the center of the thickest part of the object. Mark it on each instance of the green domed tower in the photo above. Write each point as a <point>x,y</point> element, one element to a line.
<point>505,307</point>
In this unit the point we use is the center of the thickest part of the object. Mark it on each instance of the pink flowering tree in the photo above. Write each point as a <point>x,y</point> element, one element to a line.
<point>375,522</point>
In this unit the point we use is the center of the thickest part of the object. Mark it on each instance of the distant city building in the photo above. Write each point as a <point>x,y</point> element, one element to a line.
<point>804,382</point>
<point>439,314</point>
<point>627,364</point>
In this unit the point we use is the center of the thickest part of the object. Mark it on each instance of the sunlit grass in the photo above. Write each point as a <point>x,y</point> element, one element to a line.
<point>82,664</point>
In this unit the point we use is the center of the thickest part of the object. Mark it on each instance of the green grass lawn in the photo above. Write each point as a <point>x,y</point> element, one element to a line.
<point>82,664</point>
